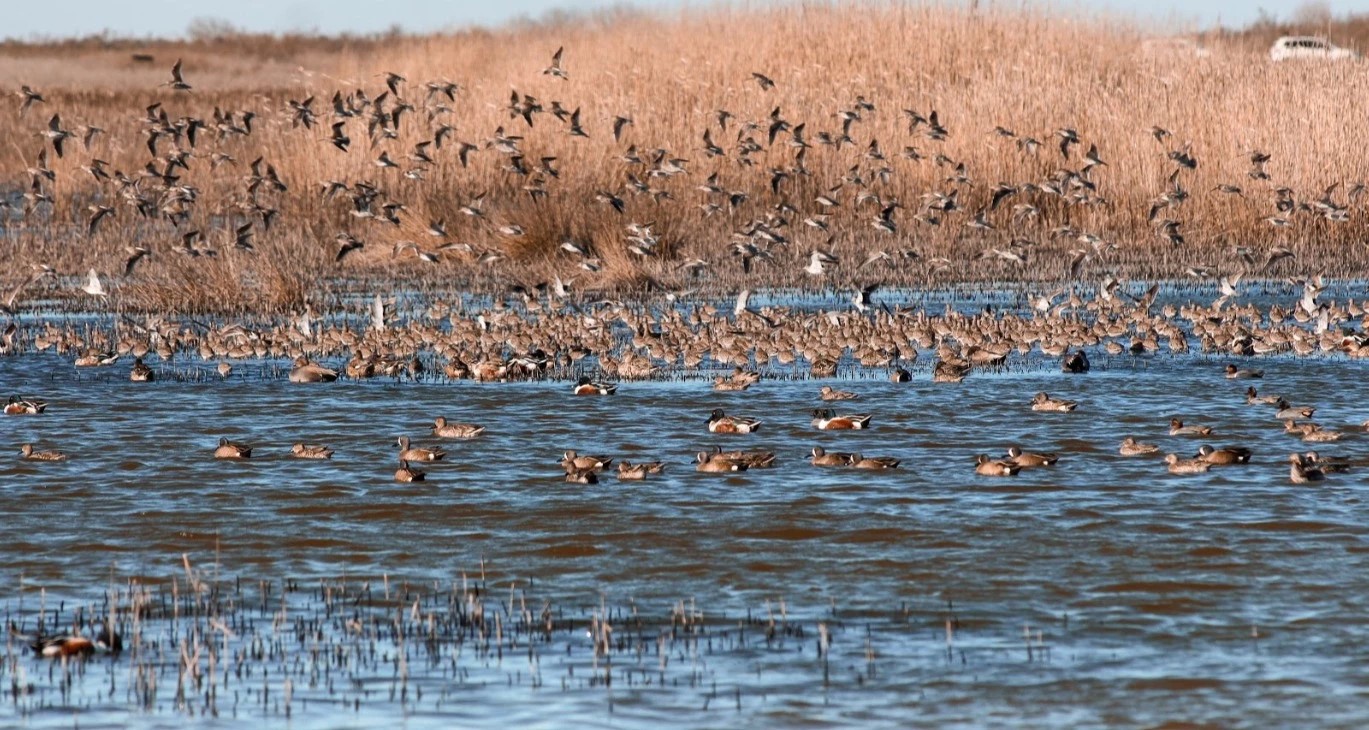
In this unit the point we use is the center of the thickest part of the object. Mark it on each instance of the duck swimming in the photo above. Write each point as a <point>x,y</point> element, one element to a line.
<point>305,371</point>
<point>824,419</point>
<point>408,453</point>
<point>585,386</point>
<point>827,392</point>
<point>752,459</point>
<point>1042,402</point>
<point>1131,447</point>
<point>985,466</point>
<point>1177,428</point>
<point>308,451</point>
<point>1302,471</point>
<point>572,461</point>
<point>141,373</point>
<point>444,429</point>
<point>17,406</point>
<point>1028,460</point>
<point>628,471</point>
<point>1224,456</point>
<point>229,450</point>
<point>26,451</point>
<point>1186,466</point>
<point>719,422</point>
<point>406,474</point>
<point>873,463</point>
<point>714,464</point>
<point>820,457</point>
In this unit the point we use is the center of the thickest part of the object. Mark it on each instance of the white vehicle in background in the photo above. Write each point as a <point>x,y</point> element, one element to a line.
<point>1309,47</point>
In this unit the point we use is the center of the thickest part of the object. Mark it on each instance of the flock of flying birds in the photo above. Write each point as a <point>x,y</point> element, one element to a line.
<point>761,181</point>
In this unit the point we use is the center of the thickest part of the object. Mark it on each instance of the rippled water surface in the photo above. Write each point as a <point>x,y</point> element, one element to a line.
<point>1101,592</point>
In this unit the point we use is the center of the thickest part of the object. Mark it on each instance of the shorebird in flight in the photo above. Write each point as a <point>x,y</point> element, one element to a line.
<point>30,97</point>
<point>177,82</point>
<point>55,133</point>
<point>555,68</point>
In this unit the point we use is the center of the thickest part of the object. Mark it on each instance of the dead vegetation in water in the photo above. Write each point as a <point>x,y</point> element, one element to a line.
<point>201,644</point>
<point>720,150</point>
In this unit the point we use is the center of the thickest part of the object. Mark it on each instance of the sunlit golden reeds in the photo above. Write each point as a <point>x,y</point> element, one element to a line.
<point>1032,73</point>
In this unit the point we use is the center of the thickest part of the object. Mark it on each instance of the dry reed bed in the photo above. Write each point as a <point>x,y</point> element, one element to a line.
<point>1032,73</point>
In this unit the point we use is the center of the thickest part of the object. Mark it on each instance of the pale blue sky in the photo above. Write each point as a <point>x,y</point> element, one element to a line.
<point>171,17</point>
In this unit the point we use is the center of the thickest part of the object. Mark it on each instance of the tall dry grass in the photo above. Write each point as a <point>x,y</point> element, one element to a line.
<point>1027,71</point>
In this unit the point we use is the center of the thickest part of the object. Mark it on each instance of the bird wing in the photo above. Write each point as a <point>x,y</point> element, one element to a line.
<point>133,261</point>
<point>378,313</point>
<point>93,285</point>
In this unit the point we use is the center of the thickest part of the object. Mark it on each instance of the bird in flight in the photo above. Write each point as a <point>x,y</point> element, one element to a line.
<point>177,82</point>
<point>555,68</point>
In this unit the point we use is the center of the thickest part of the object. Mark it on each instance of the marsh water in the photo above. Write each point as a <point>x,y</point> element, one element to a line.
<point>1100,592</point>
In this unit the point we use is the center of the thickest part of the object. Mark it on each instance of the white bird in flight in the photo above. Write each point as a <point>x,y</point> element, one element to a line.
<point>817,263</point>
<point>378,314</point>
<point>94,286</point>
